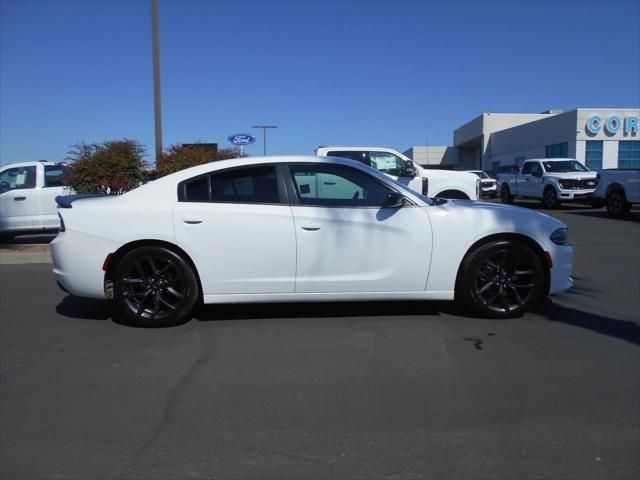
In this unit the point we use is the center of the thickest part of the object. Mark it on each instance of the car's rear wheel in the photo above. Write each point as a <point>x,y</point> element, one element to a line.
<point>505,195</point>
<point>617,205</point>
<point>154,287</point>
<point>501,279</point>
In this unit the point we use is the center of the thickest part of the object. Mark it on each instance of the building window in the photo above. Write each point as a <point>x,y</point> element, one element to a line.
<point>593,155</point>
<point>629,154</point>
<point>557,150</point>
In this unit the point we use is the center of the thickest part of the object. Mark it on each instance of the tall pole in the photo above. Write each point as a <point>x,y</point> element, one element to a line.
<point>155,33</point>
<point>264,136</point>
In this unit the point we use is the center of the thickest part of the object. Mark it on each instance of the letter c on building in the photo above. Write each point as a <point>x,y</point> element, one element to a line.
<point>594,124</point>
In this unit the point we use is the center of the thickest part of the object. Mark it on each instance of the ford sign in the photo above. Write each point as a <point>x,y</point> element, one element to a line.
<point>241,139</point>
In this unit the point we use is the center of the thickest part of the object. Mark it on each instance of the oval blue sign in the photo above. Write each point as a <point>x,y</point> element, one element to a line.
<point>241,139</point>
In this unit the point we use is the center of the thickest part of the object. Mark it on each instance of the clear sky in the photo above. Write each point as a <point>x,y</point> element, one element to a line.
<point>387,73</point>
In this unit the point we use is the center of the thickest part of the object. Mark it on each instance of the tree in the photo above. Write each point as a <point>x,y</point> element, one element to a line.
<point>179,157</point>
<point>114,166</point>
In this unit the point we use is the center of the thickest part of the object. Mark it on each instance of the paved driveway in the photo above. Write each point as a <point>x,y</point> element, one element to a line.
<point>376,390</point>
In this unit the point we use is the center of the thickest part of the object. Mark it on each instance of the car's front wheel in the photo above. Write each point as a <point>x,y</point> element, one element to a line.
<point>501,279</point>
<point>550,198</point>
<point>154,287</point>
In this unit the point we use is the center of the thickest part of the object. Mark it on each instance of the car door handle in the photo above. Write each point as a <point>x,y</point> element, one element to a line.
<point>310,227</point>
<point>192,221</point>
<point>19,199</point>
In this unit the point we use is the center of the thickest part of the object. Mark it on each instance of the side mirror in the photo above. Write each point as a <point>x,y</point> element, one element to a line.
<point>409,169</point>
<point>394,200</point>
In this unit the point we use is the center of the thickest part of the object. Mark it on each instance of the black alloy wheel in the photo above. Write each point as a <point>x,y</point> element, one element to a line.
<point>154,287</point>
<point>505,195</point>
<point>617,205</point>
<point>550,198</point>
<point>501,279</point>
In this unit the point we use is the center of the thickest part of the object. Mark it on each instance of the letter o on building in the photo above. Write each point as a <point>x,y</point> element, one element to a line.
<point>613,124</point>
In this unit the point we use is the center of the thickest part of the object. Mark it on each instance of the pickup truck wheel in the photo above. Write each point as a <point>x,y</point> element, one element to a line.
<point>617,205</point>
<point>501,279</point>
<point>505,195</point>
<point>154,287</point>
<point>550,198</point>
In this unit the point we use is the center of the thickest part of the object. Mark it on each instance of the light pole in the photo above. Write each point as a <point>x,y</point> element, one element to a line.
<point>155,33</point>
<point>264,135</point>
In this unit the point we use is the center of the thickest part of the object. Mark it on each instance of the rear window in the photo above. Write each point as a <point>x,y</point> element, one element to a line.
<point>56,176</point>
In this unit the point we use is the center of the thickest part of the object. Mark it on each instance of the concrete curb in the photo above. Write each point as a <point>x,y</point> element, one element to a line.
<point>18,254</point>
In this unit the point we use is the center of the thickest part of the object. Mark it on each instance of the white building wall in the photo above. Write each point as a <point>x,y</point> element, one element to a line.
<point>609,154</point>
<point>434,155</point>
<point>580,152</point>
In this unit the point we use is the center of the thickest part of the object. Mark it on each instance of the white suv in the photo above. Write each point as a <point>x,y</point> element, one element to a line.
<point>27,197</point>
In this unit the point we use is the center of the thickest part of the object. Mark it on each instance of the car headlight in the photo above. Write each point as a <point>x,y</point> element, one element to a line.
<point>560,236</point>
<point>567,184</point>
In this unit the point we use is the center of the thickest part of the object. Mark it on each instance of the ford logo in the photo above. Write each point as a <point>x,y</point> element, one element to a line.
<point>241,139</point>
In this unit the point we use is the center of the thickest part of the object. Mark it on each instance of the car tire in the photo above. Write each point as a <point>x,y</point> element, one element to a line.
<point>617,204</point>
<point>501,279</point>
<point>154,287</point>
<point>550,198</point>
<point>6,238</point>
<point>505,195</point>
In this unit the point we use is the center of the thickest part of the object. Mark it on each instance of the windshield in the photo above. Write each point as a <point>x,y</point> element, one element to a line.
<point>564,166</point>
<point>481,174</point>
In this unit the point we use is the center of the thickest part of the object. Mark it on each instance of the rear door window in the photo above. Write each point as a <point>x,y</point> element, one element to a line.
<point>240,185</point>
<point>56,176</point>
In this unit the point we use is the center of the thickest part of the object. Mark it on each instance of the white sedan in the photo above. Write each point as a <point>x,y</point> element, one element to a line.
<point>301,229</point>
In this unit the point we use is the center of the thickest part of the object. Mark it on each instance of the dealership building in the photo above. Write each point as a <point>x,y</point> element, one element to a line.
<point>597,137</point>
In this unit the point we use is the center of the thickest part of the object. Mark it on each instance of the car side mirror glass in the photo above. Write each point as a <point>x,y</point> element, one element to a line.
<point>409,169</point>
<point>394,200</point>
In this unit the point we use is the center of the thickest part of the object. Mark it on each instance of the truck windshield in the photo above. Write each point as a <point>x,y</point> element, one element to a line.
<point>564,166</point>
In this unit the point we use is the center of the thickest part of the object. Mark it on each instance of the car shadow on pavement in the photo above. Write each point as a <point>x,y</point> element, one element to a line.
<point>622,329</point>
<point>633,216</point>
<point>250,311</point>
<point>84,308</point>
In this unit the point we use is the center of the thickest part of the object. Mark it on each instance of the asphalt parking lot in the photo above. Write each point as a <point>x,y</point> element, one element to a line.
<point>388,390</point>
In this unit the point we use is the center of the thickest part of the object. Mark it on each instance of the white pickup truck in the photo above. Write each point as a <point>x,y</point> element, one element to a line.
<point>27,197</point>
<point>434,183</point>
<point>618,189</point>
<point>552,180</point>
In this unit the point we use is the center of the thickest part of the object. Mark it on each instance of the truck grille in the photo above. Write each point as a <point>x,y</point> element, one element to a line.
<point>583,184</point>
